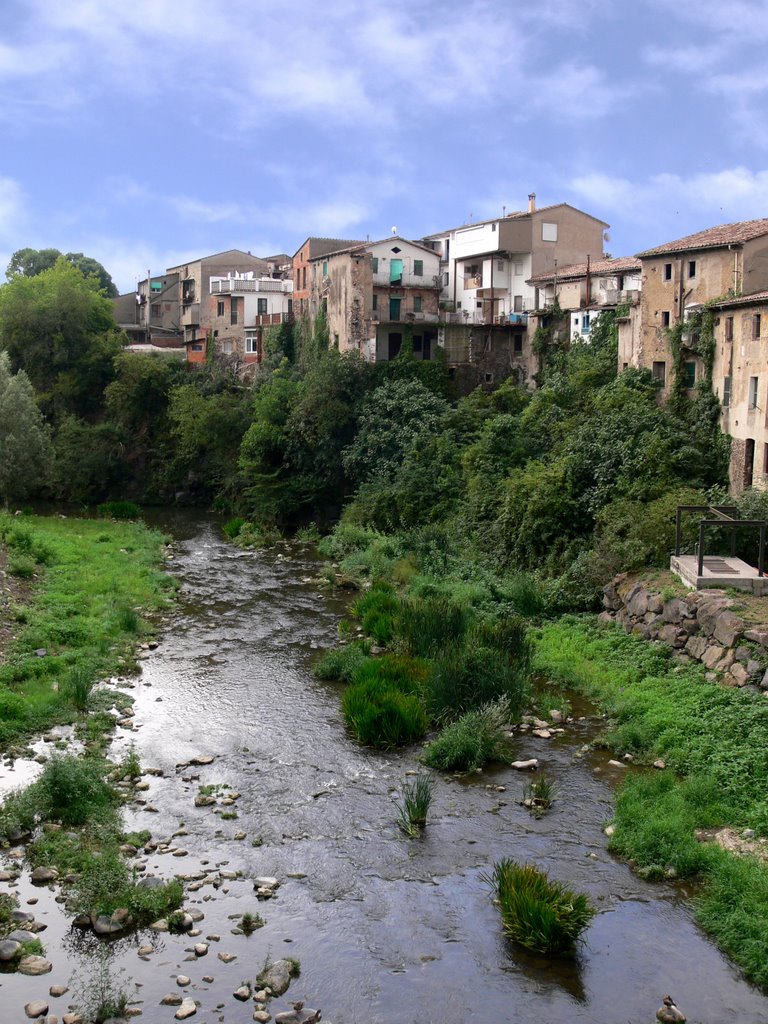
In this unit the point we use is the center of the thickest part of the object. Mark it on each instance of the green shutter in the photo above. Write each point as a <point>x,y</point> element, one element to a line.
<point>418,268</point>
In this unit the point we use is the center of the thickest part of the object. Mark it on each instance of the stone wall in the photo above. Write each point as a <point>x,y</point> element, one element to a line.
<point>700,627</point>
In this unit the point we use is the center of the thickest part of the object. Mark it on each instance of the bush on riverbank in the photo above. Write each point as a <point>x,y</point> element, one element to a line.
<point>473,740</point>
<point>714,740</point>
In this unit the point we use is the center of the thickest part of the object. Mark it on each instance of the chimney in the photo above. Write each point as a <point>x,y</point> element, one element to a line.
<point>532,202</point>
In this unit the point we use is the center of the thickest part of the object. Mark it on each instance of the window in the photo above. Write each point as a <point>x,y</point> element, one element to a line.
<point>304,277</point>
<point>548,232</point>
<point>756,325</point>
<point>585,323</point>
<point>220,307</point>
<point>233,311</point>
<point>479,305</point>
<point>375,264</point>
<point>156,309</point>
<point>667,271</point>
<point>251,344</point>
<point>665,318</point>
<point>375,302</point>
<point>416,303</point>
<point>493,227</point>
<point>197,347</point>
<point>691,268</point>
<point>518,343</point>
<point>753,392</point>
<point>418,268</point>
<point>518,269</point>
<point>726,392</point>
<point>518,303</point>
<point>489,377</point>
<point>659,372</point>
<point>689,374</point>
<point>325,268</point>
<point>729,328</point>
<point>335,341</point>
<point>261,307</point>
<point>226,348</point>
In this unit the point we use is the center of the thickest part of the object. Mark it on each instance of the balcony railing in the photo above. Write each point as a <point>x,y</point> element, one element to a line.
<point>270,319</point>
<point>247,284</point>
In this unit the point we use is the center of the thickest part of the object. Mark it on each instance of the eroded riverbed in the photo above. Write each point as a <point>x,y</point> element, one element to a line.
<point>386,929</point>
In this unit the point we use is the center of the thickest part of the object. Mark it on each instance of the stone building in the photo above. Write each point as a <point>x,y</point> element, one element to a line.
<point>377,294</point>
<point>310,249</point>
<point>679,277</point>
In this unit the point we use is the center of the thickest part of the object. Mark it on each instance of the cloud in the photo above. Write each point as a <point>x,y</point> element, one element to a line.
<point>12,207</point>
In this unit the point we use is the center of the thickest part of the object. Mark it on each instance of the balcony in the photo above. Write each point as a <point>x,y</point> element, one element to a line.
<point>190,315</point>
<point>472,282</point>
<point>425,281</point>
<point>271,319</point>
<point>232,285</point>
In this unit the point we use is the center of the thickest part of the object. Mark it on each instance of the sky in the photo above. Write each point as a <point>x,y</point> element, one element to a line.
<point>151,132</point>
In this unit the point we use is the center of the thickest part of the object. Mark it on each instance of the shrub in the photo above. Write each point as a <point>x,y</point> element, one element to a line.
<point>250,922</point>
<point>526,595</point>
<point>381,716</point>
<point>414,807</point>
<point>118,510</point>
<point>72,790</point>
<point>22,566</point>
<point>472,740</point>
<point>342,663</point>
<point>539,914</point>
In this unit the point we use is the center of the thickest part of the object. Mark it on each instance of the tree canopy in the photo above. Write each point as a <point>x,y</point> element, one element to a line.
<point>31,262</point>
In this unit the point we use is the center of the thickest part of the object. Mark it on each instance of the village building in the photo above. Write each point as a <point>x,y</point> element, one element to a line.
<point>486,270</point>
<point>679,278</point>
<point>150,315</point>
<point>310,249</point>
<point>378,294</point>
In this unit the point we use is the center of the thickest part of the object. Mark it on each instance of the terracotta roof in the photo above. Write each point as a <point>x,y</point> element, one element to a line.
<point>365,246</point>
<point>619,265</point>
<point>758,298</point>
<point>515,215</point>
<point>713,238</point>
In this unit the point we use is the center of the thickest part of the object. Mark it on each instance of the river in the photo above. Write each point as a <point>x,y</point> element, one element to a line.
<point>387,930</point>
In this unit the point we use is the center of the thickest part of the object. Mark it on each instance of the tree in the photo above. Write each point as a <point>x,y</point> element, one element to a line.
<point>31,262</point>
<point>25,447</point>
<point>60,329</point>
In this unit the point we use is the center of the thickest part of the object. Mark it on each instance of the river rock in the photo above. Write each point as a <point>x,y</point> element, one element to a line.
<point>172,999</point>
<point>182,981</point>
<point>262,1016</point>
<point>150,881</point>
<point>8,950</point>
<point>277,976</point>
<point>243,993</point>
<point>55,991</point>
<point>21,935</point>
<point>188,1008</point>
<point>530,765</point>
<point>111,924</point>
<point>300,1014</point>
<point>201,759</point>
<point>35,1009</point>
<point>41,876</point>
<point>35,965</point>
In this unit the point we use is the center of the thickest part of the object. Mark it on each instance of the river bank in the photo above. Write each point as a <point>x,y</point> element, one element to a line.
<point>386,929</point>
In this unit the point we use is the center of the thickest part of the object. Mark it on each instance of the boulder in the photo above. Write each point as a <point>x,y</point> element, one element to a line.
<point>41,876</point>
<point>708,612</point>
<point>172,999</point>
<point>737,675</point>
<point>758,635</point>
<point>37,1008</point>
<point>655,604</point>
<point>696,646</point>
<point>726,661</point>
<point>675,610</point>
<point>637,601</point>
<point>188,1008</point>
<point>712,655</point>
<point>277,976</point>
<point>9,950</point>
<point>34,965</point>
<point>729,628</point>
<point>611,599</point>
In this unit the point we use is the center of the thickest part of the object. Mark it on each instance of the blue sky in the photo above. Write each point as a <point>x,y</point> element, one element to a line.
<point>147,132</point>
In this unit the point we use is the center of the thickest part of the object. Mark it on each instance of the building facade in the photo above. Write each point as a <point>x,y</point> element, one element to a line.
<point>310,249</point>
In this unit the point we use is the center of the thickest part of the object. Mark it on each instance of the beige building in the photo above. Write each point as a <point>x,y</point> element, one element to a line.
<point>681,276</point>
<point>376,294</point>
<point>740,379</point>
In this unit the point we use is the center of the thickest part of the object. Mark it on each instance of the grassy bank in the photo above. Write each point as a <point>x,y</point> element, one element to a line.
<point>91,581</point>
<point>715,744</point>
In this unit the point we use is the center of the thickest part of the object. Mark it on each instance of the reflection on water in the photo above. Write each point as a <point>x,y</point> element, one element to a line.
<point>386,929</point>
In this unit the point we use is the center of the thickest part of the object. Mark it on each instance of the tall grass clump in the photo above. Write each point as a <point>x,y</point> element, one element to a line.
<point>536,912</point>
<point>473,740</point>
<point>77,684</point>
<point>342,663</point>
<point>72,790</point>
<point>466,676</point>
<point>380,715</point>
<point>377,611</point>
<point>233,527</point>
<point>425,625</point>
<point>526,595</point>
<point>414,806</point>
<point>123,510</point>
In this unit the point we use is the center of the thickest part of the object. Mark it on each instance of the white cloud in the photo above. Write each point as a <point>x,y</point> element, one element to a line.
<point>12,207</point>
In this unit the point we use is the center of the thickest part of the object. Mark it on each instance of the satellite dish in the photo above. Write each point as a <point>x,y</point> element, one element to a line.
<point>606,236</point>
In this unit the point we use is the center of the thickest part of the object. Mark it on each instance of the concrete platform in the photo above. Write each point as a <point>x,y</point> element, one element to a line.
<point>718,571</point>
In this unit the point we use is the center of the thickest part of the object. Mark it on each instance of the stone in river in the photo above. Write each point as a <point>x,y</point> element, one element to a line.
<point>36,1009</point>
<point>35,965</point>
<point>188,1008</point>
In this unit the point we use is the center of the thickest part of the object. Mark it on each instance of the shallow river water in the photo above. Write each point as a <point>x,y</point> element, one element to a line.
<point>386,929</point>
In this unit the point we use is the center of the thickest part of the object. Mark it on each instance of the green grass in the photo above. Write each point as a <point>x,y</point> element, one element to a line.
<point>540,914</point>
<point>467,675</point>
<point>82,613</point>
<point>380,715</point>
<point>377,610</point>
<point>414,806</point>
<point>118,510</point>
<point>473,740</point>
<point>342,663</point>
<point>715,742</point>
